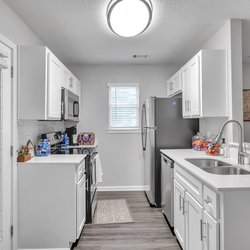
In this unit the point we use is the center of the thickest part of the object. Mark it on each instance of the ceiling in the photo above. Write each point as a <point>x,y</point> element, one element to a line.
<point>77,31</point>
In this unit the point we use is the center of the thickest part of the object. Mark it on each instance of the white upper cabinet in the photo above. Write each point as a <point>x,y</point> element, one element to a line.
<point>65,77</point>
<point>69,81</point>
<point>204,83</point>
<point>173,85</point>
<point>41,78</point>
<point>54,88</point>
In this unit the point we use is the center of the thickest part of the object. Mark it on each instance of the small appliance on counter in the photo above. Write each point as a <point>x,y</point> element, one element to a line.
<point>72,134</point>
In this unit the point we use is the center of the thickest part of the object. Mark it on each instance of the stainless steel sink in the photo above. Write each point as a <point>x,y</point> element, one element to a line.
<point>225,170</point>
<point>206,162</point>
<point>214,166</point>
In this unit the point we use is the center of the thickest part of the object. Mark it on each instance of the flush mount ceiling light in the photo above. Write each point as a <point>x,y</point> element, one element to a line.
<point>129,18</point>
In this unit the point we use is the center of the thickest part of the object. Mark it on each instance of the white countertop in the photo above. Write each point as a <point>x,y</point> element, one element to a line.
<point>218,182</point>
<point>56,159</point>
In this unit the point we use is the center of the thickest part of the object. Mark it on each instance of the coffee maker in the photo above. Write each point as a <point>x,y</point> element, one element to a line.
<point>72,134</point>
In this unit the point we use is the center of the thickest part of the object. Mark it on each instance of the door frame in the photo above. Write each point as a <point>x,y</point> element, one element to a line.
<point>13,47</point>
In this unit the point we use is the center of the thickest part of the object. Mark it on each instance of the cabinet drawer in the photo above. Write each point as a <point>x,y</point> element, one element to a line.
<point>210,202</point>
<point>190,183</point>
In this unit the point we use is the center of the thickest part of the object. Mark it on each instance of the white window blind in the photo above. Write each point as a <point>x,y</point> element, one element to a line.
<point>123,106</point>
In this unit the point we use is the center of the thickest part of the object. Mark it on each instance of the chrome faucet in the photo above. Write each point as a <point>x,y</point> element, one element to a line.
<point>241,152</point>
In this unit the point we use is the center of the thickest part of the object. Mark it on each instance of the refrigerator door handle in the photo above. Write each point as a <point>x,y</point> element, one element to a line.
<point>143,128</point>
<point>150,128</point>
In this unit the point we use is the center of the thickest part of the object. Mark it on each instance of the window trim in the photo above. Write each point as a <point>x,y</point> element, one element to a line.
<point>125,130</point>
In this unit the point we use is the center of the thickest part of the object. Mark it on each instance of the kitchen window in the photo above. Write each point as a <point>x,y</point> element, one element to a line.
<point>123,108</point>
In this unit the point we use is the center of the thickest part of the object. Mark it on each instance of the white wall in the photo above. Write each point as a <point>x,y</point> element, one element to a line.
<point>246,85</point>
<point>121,154</point>
<point>12,27</point>
<point>229,37</point>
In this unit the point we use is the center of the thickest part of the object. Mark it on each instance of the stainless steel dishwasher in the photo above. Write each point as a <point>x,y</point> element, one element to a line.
<point>167,188</point>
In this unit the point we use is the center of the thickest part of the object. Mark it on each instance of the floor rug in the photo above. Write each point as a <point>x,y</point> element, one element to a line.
<point>112,211</point>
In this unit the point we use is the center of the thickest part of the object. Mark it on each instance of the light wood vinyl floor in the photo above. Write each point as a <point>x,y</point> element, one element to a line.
<point>150,230</point>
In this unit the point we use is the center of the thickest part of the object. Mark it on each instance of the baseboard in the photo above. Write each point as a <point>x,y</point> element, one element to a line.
<point>43,248</point>
<point>121,188</point>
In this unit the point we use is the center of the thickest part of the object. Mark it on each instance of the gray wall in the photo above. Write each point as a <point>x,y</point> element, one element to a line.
<point>13,28</point>
<point>121,154</point>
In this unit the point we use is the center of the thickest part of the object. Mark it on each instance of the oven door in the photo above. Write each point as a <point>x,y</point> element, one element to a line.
<point>70,105</point>
<point>93,185</point>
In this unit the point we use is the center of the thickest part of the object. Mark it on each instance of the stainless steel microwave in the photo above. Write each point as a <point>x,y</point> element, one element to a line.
<point>70,106</point>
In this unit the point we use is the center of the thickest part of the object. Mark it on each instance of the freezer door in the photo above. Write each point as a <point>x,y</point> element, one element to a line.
<point>149,153</point>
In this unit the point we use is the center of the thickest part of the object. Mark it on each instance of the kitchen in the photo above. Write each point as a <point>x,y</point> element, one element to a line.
<point>72,31</point>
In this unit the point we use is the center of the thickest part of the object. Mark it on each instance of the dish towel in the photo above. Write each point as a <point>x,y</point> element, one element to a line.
<point>99,172</point>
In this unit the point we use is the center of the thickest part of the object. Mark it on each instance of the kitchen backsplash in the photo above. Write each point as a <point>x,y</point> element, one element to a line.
<point>32,129</point>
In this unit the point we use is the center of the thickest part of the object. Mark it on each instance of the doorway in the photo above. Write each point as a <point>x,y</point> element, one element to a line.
<point>7,163</point>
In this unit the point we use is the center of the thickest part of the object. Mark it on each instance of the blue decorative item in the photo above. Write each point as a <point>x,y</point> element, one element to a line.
<point>43,148</point>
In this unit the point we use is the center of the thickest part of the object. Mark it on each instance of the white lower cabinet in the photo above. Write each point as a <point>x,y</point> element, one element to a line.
<point>193,223</point>
<point>80,205</point>
<point>211,236</point>
<point>51,204</point>
<point>179,221</point>
<point>194,228</point>
<point>195,213</point>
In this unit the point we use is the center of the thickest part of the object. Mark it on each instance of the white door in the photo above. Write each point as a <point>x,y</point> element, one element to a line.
<point>54,88</point>
<point>5,141</point>
<point>194,78</point>
<point>170,87</point>
<point>211,240</point>
<point>81,205</point>
<point>179,220</point>
<point>64,77</point>
<point>185,92</point>
<point>194,226</point>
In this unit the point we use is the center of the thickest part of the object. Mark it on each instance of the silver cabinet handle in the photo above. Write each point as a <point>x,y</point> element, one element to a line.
<point>201,224</point>
<point>183,206</point>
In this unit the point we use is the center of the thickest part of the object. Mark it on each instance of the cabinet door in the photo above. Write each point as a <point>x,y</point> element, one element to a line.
<point>179,226</point>
<point>194,83</point>
<point>72,83</point>
<point>78,88</point>
<point>81,205</point>
<point>211,240</point>
<point>186,109</point>
<point>65,77</point>
<point>170,87</point>
<point>177,82</point>
<point>54,88</point>
<point>193,223</point>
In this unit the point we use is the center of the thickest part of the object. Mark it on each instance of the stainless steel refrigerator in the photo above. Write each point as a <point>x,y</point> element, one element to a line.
<point>162,127</point>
